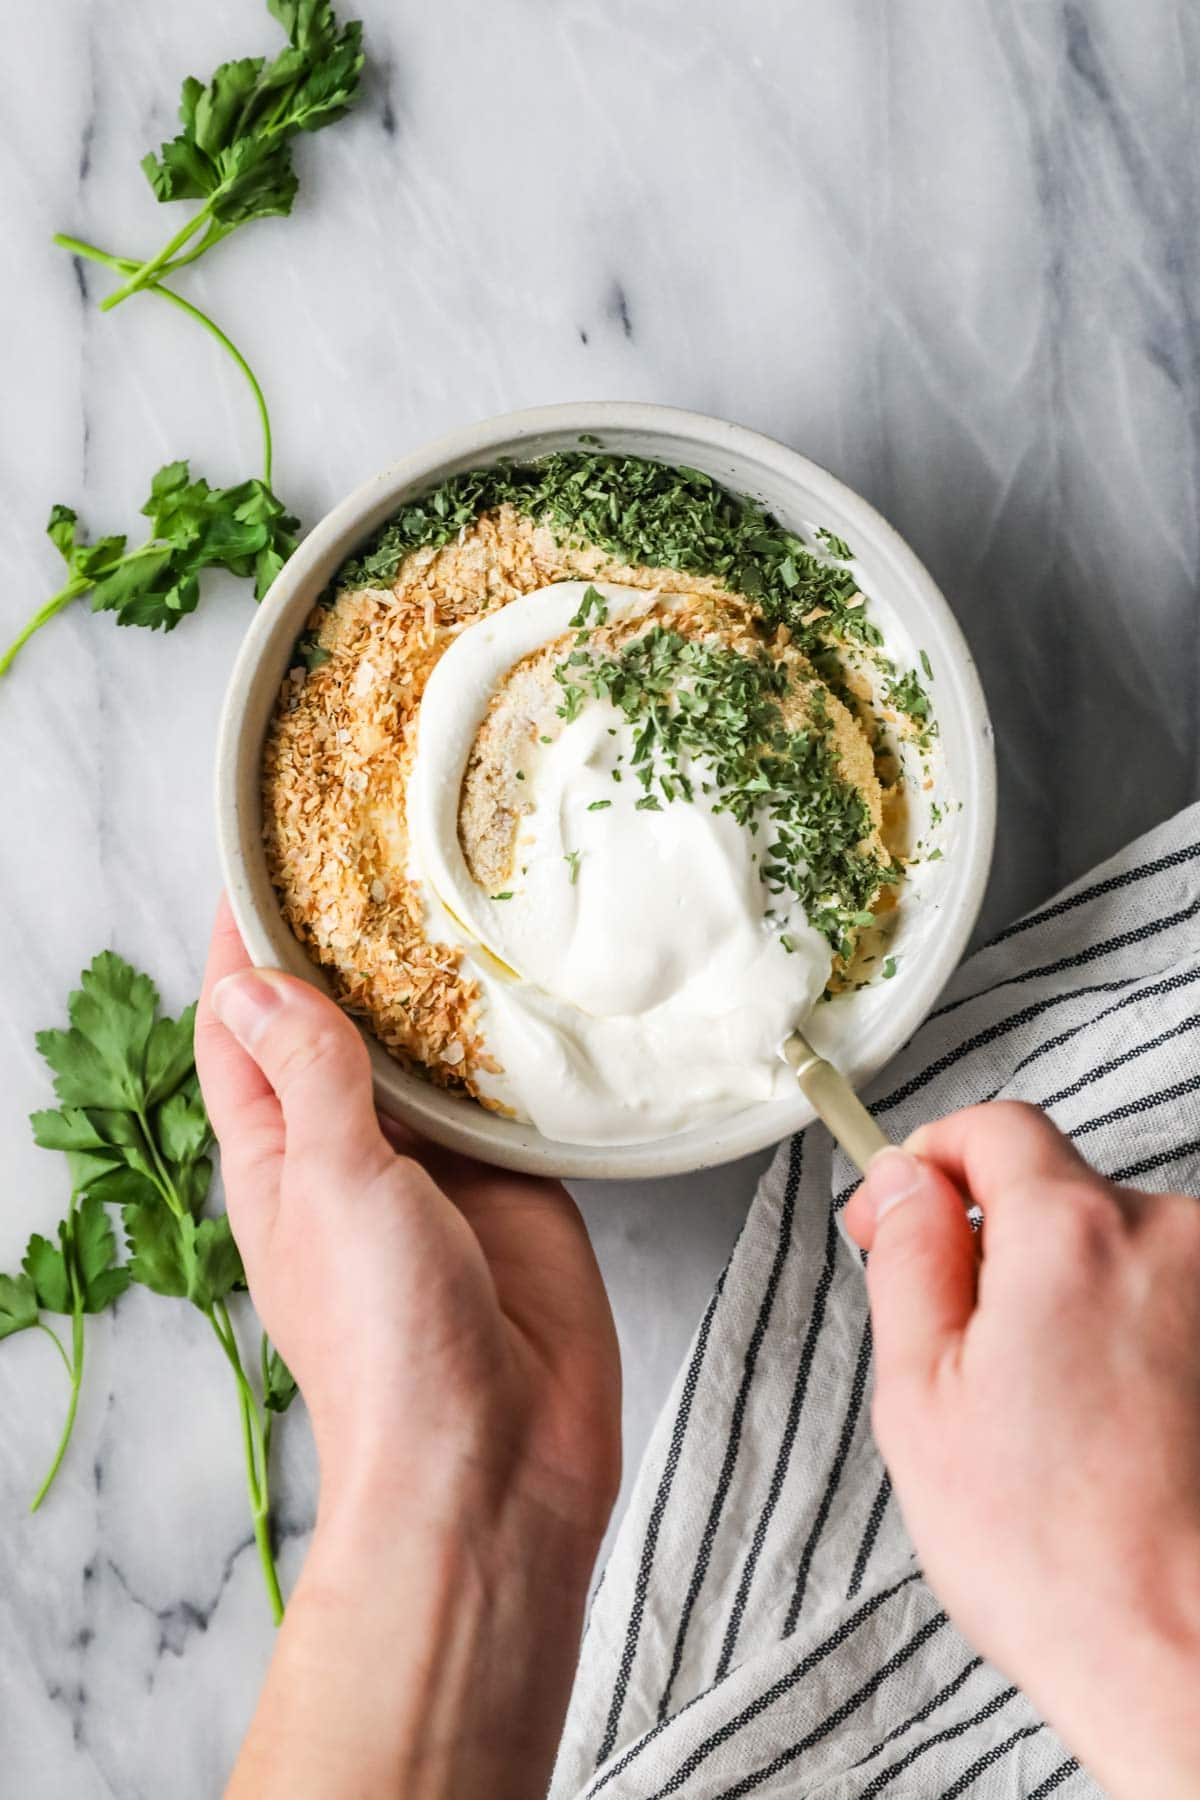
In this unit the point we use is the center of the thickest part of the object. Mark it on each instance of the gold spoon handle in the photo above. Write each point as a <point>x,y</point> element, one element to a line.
<point>835,1102</point>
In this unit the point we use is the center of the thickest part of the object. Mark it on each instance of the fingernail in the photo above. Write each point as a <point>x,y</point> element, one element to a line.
<point>244,1003</point>
<point>893,1176</point>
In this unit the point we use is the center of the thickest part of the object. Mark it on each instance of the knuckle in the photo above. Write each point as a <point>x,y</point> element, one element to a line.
<point>1083,1219</point>
<point>1177,1216</point>
<point>315,1049</point>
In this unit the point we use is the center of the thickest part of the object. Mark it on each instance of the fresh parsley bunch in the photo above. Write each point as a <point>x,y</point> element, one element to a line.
<point>233,156</point>
<point>135,1134</point>
<point>193,527</point>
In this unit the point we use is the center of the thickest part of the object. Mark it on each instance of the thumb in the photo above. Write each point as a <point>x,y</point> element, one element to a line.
<point>318,1065</point>
<point>921,1275</point>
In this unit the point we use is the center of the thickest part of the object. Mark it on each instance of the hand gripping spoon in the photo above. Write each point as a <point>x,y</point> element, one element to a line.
<point>836,1103</point>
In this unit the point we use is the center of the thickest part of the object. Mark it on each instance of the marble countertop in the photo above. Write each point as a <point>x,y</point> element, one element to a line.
<point>948,251</point>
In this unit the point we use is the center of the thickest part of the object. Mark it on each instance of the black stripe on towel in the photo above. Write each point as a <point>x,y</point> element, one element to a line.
<point>787,1213</point>
<point>1111,884</point>
<point>999,1028</point>
<point>762,1702</point>
<point>858,1387</point>
<point>642,1585</point>
<point>996,1754</point>
<point>1170,985</point>
<point>1143,1104</point>
<point>905,1091</point>
<point>1160,1160</point>
<point>783,1459</point>
<point>1070,1767</point>
<point>1121,940</point>
<point>838,1717</point>
<point>874,1521</point>
<point>886,1776</point>
<point>833,1642</point>
<point>1119,1062</point>
<point>924,1712</point>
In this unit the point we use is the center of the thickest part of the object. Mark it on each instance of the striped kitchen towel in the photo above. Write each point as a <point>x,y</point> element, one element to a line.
<point>762,1626</point>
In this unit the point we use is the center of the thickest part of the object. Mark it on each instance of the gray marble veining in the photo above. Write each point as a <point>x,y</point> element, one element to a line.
<point>947,249</point>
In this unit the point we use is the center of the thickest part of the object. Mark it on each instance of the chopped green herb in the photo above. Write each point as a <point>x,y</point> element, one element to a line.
<point>787,942</point>
<point>702,701</point>
<point>506,895</point>
<point>835,545</point>
<point>591,602</point>
<point>599,805</point>
<point>889,968</point>
<point>642,512</point>
<point>572,861</point>
<point>520,774</point>
<point>309,652</point>
<point>927,665</point>
<point>907,695</point>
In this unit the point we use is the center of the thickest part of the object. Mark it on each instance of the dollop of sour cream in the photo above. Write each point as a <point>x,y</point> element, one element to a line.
<point>635,982</point>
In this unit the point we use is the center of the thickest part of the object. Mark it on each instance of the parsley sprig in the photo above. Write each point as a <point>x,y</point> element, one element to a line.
<point>135,1134</point>
<point>73,1276</point>
<point>234,152</point>
<point>234,156</point>
<point>719,711</point>
<point>194,527</point>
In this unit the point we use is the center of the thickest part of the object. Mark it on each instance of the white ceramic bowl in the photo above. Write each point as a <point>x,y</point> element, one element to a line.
<point>942,898</point>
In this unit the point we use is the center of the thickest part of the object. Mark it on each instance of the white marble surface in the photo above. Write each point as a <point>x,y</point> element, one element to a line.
<point>948,249</point>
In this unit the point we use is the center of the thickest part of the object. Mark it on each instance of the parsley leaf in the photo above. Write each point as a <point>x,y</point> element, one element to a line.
<point>95,1249</point>
<point>18,1304</point>
<point>243,529</point>
<point>46,1267</point>
<point>77,1275</point>
<point>279,1384</point>
<point>100,1060</point>
<point>171,1254</point>
<point>234,151</point>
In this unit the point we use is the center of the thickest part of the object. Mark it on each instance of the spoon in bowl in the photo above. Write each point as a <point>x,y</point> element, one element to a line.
<point>835,1101</point>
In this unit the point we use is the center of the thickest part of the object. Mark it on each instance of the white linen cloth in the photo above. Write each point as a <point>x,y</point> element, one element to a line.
<point>762,1625</point>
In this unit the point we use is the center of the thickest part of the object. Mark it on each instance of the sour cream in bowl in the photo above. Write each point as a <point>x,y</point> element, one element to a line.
<point>584,756</point>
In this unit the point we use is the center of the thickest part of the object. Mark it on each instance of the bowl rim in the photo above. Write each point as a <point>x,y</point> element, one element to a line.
<point>267,647</point>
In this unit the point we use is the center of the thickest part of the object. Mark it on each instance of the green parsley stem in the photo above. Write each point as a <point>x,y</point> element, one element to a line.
<point>162,1181</point>
<point>212,236</point>
<point>76,1363</point>
<point>123,266</point>
<point>69,1423</point>
<point>76,586</point>
<point>255,1443</point>
<point>146,272</point>
<point>57,1342</point>
<point>264,1355</point>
